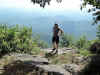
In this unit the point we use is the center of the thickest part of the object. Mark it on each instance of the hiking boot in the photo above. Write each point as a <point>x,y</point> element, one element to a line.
<point>56,52</point>
<point>53,50</point>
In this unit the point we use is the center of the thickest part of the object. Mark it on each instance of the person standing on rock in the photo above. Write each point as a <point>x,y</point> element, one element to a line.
<point>55,39</point>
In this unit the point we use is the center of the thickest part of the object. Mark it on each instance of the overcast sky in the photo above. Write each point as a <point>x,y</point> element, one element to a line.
<point>24,12</point>
<point>66,7</point>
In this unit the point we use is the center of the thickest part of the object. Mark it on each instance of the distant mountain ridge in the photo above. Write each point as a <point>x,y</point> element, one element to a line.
<point>42,22</point>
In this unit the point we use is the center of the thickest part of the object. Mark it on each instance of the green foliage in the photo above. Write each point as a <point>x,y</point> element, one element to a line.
<point>98,32</point>
<point>15,39</point>
<point>82,43</point>
<point>35,50</point>
<point>95,8</point>
<point>66,40</point>
<point>62,59</point>
<point>18,39</point>
<point>84,52</point>
<point>94,3</point>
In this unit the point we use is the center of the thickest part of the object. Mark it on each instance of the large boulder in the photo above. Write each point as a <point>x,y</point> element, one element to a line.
<point>95,48</point>
<point>81,59</point>
<point>24,64</point>
<point>73,69</point>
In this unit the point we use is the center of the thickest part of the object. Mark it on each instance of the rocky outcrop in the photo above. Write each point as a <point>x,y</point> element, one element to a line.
<point>63,50</point>
<point>81,60</point>
<point>73,69</point>
<point>25,64</point>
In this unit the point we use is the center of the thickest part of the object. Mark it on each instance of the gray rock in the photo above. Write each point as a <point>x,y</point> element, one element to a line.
<point>72,68</point>
<point>81,59</point>
<point>27,57</point>
<point>55,69</point>
<point>62,50</point>
<point>41,64</point>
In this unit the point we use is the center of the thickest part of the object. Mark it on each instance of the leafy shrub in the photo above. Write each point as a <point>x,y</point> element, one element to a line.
<point>66,40</point>
<point>17,39</point>
<point>83,43</point>
<point>98,32</point>
<point>35,50</point>
<point>84,52</point>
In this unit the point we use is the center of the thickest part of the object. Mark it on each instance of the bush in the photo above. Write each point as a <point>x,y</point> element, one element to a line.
<point>84,52</point>
<point>98,32</point>
<point>83,43</point>
<point>66,40</point>
<point>17,39</point>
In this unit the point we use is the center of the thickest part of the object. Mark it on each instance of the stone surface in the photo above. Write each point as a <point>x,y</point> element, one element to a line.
<point>72,68</point>
<point>63,50</point>
<point>27,57</point>
<point>38,63</point>
<point>42,65</point>
<point>56,69</point>
<point>81,59</point>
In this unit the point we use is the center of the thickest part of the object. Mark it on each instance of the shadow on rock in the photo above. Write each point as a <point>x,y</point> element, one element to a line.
<point>29,68</point>
<point>19,68</point>
<point>93,67</point>
<point>50,54</point>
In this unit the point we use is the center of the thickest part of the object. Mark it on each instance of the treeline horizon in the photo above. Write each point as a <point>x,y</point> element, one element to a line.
<point>21,39</point>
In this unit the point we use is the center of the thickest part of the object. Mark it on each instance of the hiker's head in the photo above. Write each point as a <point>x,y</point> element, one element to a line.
<point>56,25</point>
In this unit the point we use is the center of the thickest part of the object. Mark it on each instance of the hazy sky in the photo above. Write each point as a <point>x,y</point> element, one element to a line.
<point>24,12</point>
<point>66,7</point>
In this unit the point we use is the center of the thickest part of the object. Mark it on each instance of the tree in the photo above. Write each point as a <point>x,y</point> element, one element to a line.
<point>96,8</point>
<point>82,42</point>
<point>66,40</point>
<point>98,32</point>
<point>42,3</point>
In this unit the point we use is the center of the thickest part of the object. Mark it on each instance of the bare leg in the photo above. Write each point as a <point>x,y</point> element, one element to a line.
<point>56,47</point>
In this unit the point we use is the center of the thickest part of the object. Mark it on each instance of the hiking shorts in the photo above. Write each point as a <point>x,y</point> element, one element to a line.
<point>55,39</point>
